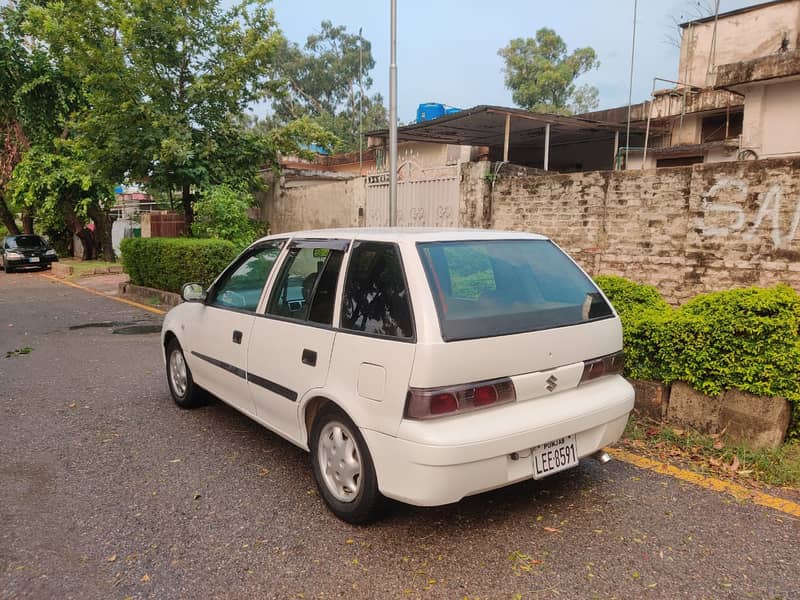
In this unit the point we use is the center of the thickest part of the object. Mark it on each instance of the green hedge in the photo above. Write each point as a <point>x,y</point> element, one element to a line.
<point>168,263</point>
<point>744,339</point>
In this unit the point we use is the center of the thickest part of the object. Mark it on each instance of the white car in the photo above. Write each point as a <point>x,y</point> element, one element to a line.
<point>423,365</point>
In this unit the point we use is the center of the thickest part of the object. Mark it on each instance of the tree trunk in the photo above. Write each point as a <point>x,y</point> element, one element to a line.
<point>7,217</point>
<point>27,223</point>
<point>77,227</point>
<point>102,224</point>
<point>188,210</point>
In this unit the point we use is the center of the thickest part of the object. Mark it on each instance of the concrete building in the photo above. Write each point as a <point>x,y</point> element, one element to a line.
<point>735,96</point>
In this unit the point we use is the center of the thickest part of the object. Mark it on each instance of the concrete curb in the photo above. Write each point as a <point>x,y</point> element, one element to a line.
<point>145,293</point>
<point>60,269</point>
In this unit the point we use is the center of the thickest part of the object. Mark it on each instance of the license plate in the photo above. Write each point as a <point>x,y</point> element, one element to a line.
<point>33,259</point>
<point>554,456</point>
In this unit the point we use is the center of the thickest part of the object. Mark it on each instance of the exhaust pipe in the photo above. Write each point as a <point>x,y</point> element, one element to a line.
<point>602,457</point>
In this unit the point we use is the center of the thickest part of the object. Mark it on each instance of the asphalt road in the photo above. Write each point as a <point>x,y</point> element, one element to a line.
<point>108,490</point>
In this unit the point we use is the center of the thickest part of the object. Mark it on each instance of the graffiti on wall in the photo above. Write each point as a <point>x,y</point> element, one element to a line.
<point>726,212</point>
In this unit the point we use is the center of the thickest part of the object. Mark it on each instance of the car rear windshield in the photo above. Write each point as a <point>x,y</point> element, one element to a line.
<point>26,241</point>
<point>502,287</point>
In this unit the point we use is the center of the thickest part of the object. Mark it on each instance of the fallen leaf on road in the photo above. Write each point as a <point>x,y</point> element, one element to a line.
<point>73,405</point>
<point>197,495</point>
<point>551,530</point>
<point>145,578</point>
<point>734,466</point>
<point>111,558</point>
<point>176,460</point>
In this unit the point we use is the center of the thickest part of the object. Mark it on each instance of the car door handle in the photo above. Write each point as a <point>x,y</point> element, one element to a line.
<point>309,357</point>
<point>237,337</point>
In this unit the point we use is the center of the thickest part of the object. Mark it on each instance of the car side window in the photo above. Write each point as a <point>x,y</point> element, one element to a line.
<point>375,296</point>
<point>306,288</point>
<point>241,288</point>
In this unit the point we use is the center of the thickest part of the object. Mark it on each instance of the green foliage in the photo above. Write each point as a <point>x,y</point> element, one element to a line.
<point>166,83</point>
<point>744,339</point>
<point>541,75</point>
<point>223,214</point>
<point>322,83</point>
<point>168,263</point>
<point>629,296</point>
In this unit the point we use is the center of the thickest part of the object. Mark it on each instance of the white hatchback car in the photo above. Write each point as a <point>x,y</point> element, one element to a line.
<point>424,365</point>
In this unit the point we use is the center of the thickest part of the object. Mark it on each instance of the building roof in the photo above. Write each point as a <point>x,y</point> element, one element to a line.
<point>732,13</point>
<point>485,126</point>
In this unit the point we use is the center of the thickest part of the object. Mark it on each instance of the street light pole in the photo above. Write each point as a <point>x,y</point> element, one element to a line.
<point>393,120</point>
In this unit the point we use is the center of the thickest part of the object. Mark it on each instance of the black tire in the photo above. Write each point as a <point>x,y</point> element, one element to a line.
<point>9,269</point>
<point>367,503</point>
<point>181,385</point>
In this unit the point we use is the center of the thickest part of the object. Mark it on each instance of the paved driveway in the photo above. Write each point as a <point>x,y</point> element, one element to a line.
<point>107,490</point>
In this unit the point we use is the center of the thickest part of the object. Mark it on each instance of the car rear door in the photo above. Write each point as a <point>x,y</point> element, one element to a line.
<point>290,345</point>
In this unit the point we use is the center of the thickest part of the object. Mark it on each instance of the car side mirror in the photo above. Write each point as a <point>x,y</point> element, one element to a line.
<point>193,292</point>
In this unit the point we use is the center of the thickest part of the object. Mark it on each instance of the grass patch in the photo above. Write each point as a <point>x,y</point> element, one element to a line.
<point>81,268</point>
<point>710,454</point>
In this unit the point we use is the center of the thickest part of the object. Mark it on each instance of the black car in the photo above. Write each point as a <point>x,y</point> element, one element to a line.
<point>26,251</point>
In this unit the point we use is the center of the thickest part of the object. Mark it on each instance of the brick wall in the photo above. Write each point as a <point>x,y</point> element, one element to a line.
<point>685,230</point>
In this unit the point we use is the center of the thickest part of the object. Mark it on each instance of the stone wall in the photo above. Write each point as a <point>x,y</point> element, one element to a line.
<point>685,230</point>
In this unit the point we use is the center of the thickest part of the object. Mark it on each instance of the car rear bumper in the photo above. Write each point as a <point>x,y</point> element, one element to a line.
<point>417,471</point>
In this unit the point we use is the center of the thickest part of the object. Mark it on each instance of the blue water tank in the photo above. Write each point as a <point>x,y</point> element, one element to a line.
<point>451,110</point>
<point>429,110</point>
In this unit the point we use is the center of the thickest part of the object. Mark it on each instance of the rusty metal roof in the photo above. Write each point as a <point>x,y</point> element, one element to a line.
<point>485,126</point>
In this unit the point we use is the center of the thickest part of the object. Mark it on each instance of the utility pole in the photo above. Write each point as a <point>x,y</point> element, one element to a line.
<point>393,120</point>
<point>360,103</point>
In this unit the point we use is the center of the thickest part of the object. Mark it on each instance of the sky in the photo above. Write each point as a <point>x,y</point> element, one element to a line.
<point>447,49</point>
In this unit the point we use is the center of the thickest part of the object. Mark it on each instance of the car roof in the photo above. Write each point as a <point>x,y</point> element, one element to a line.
<point>408,234</point>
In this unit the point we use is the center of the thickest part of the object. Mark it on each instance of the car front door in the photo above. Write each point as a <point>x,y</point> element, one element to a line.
<point>219,338</point>
<point>291,343</point>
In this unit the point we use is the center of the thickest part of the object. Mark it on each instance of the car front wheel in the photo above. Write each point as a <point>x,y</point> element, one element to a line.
<point>343,468</point>
<point>181,385</point>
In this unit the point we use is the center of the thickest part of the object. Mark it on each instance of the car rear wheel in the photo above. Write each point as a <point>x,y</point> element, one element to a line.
<point>181,385</point>
<point>343,468</point>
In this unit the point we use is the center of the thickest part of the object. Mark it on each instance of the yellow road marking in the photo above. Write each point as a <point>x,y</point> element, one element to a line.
<point>710,483</point>
<point>115,298</point>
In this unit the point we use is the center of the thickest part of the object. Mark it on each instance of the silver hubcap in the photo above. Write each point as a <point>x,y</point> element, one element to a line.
<point>177,372</point>
<point>339,461</point>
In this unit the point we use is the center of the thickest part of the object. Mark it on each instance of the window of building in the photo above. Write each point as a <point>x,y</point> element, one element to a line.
<point>720,127</point>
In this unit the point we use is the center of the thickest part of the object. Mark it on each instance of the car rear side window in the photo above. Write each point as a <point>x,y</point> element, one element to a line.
<point>501,287</point>
<point>376,296</point>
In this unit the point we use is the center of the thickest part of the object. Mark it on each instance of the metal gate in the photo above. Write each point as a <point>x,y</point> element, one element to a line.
<point>425,197</point>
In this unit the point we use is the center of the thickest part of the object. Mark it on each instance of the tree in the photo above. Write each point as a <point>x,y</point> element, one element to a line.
<point>541,75</point>
<point>328,80</point>
<point>36,101</point>
<point>166,82</point>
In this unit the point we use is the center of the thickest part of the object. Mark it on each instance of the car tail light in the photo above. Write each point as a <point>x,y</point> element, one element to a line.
<point>611,364</point>
<point>429,403</point>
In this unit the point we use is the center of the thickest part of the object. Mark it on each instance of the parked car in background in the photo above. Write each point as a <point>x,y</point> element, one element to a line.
<point>27,250</point>
<point>423,365</point>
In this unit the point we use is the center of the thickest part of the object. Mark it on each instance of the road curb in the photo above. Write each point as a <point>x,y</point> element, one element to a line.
<point>150,309</point>
<point>710,483</point>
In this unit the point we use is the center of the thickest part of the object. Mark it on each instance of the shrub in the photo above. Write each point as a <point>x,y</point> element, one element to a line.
<point>629,296</point>
<point>744,339</point>
<point>168,263</point>
<point>222,214</point>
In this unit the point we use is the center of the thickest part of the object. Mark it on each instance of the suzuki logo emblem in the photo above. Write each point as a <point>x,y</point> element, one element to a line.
<point>552,383</point>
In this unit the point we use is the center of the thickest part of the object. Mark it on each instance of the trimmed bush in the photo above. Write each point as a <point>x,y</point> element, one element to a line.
<point>629,296</point>
<point>168,263</point>
<point>745,339</point>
